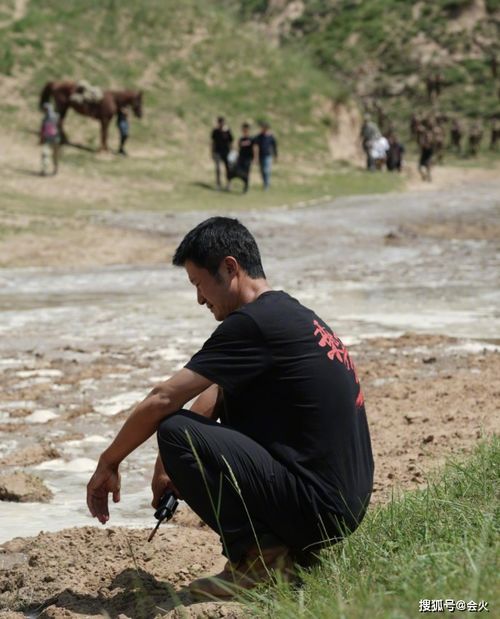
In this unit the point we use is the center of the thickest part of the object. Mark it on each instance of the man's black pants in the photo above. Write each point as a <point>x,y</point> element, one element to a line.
<point>236,486</point>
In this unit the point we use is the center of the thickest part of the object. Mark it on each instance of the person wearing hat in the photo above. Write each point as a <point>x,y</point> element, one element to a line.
<point>50,139</point>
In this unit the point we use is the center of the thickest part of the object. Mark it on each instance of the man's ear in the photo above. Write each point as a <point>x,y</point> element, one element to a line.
<point>231,266</point>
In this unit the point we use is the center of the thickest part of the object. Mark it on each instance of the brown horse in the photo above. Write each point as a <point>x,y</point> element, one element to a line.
<point>102,110</point>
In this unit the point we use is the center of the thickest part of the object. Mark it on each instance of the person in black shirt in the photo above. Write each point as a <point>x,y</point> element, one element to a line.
<point>245,157</point>
<point>289,467</point>
<point>221,140</point>
<point>266,149</point>
<point>394,159</point>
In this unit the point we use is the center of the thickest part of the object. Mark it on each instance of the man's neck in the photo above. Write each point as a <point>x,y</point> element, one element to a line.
<point>251,289</point>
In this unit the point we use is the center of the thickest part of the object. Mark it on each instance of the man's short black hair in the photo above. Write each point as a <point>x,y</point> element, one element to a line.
<point>214,239</point>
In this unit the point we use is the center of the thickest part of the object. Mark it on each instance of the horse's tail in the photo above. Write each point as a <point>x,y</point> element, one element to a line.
<point>46,94</point>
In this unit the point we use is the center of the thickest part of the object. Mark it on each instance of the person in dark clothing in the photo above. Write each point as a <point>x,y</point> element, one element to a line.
<point>394,158</point>
<point>266,148</point>
<point>426,144</point>
<point>123,128</point>
<point>245,156</point>
<point>221,140</point>
<point>289,468</point>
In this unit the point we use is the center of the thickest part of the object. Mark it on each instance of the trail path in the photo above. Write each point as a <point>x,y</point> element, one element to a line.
<point>20,10</point>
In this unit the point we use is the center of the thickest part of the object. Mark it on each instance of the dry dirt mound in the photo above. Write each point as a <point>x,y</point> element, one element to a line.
<point>109,572</point>
<point>30,456</point>
<point>23,487</point>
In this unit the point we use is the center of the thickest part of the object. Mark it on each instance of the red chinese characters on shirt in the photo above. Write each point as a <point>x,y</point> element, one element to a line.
<point>338,351</point>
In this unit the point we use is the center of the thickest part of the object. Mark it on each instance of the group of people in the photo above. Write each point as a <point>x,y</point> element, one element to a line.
<point>430,135</point>
<point>261,148</point>
<point>380,150</point>
<point>429,131</point>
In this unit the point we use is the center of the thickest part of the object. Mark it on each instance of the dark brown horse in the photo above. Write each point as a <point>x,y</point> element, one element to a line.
<point>102,110</point>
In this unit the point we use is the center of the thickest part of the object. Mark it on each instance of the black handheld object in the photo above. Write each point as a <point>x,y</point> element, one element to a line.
<point>166,509</point>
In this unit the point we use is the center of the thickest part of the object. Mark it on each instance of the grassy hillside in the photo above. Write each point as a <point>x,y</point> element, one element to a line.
<point>383,50</point>
<point>194,60</point>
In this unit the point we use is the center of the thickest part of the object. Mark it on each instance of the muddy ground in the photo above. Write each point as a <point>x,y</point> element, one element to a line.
<point>429,394</point>
<point>427,397</point>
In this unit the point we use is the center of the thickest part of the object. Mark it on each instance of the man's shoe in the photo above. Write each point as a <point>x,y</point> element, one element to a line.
<point>253,569</point>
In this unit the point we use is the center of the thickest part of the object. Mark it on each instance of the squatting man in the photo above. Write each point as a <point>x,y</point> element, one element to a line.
<point>277,438</point>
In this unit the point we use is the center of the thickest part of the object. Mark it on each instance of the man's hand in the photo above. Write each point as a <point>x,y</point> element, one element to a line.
<point>160,483</point>
<point>105,480</point>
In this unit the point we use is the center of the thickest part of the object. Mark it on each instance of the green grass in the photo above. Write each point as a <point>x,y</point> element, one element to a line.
<point>438,543</point>
<point>194,61</point>
<point>167,184</point>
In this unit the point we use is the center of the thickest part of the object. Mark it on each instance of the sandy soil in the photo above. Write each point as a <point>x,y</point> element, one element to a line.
<point>24,488</point>
<point>87,246</point>
<point>95,245</point>
<point>446,177</point>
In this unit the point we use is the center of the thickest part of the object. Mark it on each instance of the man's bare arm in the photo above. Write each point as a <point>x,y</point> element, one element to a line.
<point>164,399</point>
<point>209,403</point>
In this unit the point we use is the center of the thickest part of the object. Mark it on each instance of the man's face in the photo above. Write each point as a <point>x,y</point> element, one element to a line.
<point>216,292</point>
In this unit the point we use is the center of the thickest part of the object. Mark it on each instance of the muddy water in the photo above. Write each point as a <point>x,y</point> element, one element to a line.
<point>78,349</point>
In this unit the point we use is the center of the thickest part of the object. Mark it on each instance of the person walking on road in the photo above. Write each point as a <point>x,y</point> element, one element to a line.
<point>245,157</point>
<point>266,149</point>
<point>221,140</point>
<point>426,144</point>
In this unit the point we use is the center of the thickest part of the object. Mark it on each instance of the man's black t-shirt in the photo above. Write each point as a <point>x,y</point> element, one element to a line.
<point>290,384</point>
<point>245,148</point>
<point>222,140</point>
